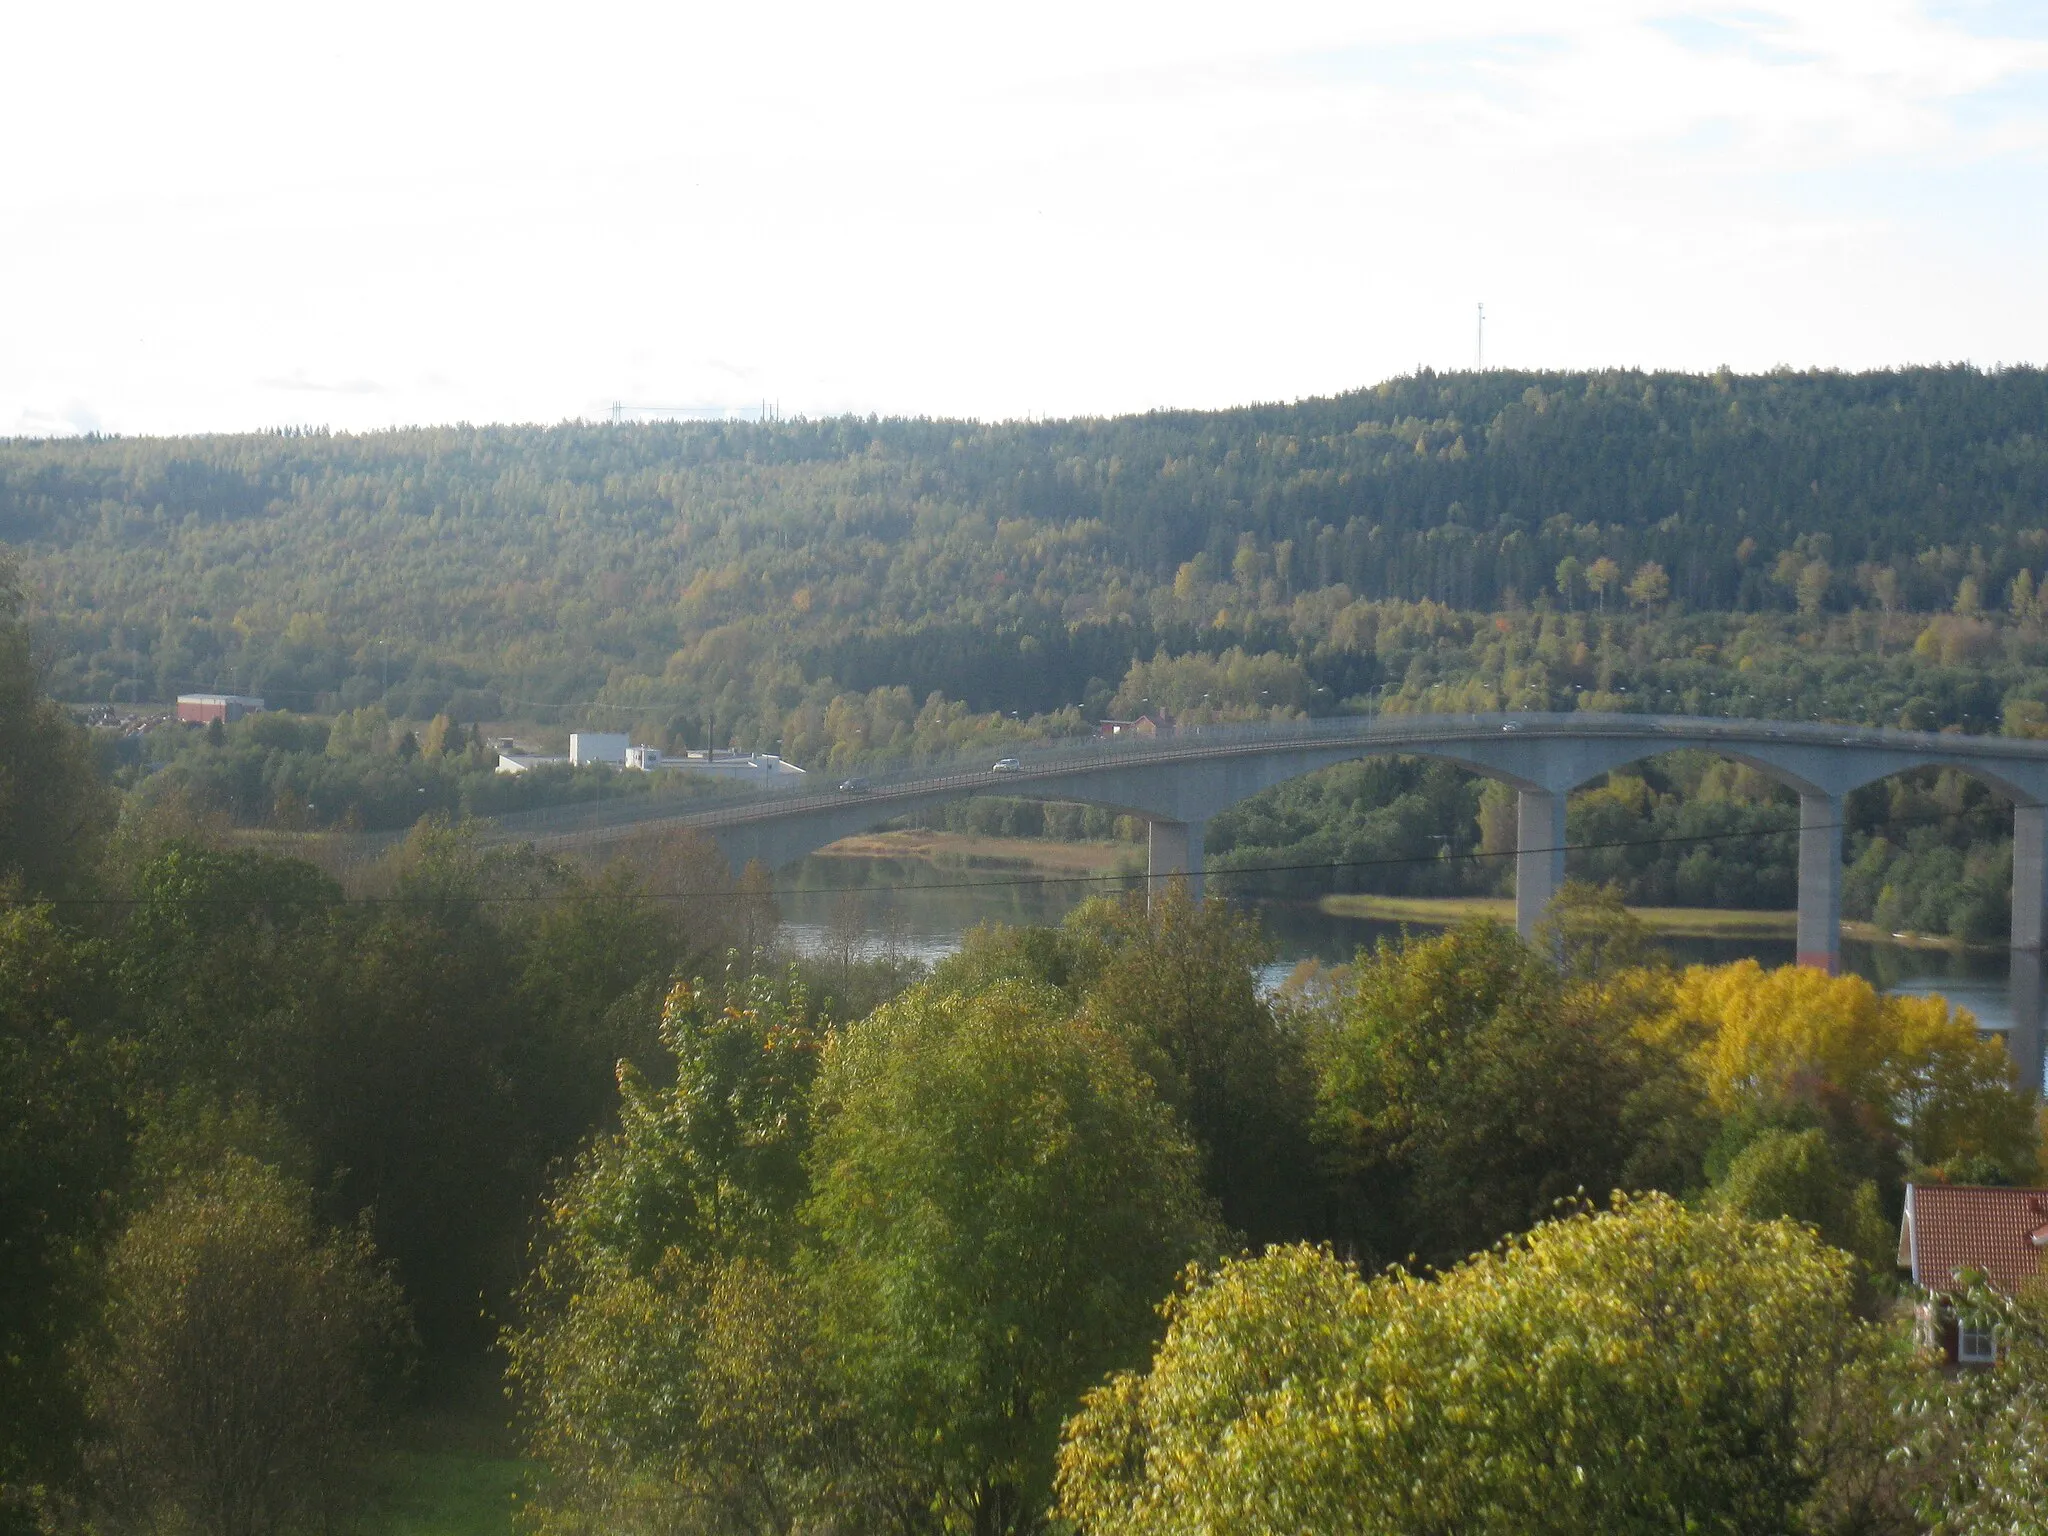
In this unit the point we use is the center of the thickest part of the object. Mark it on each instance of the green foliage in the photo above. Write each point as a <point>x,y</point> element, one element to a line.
<point>999,1202</point>
<point>668,1372</point>
<point>54,809</point>
<point>712,1163</point>
<point>1390,825</point>
<point>1796,1174</point>
<point>218,946</point>
<point>1466,1084</point>
<point>235,1377</point>
<point>62,1145</point>
<point>685,1397</point>
<point>1178,980</point>
<point>1982,1437</point>
<point>1649,1368</point>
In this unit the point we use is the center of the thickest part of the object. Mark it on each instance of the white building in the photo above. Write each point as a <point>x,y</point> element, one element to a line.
<point>587,747</point>
<point>613,750</point>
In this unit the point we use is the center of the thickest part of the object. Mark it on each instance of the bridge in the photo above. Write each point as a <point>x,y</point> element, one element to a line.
<point>1177,783</point>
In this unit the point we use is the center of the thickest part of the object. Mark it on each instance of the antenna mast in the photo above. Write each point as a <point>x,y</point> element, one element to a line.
<point>1481,364</point>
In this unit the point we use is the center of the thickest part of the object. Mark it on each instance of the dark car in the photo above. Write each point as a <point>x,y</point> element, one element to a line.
<point>853,786</point>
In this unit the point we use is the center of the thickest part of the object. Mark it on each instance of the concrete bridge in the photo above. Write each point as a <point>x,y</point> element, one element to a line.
<point>1178,783</point>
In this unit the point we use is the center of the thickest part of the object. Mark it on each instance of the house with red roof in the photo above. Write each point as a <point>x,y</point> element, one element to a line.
<point>1955,1232</point>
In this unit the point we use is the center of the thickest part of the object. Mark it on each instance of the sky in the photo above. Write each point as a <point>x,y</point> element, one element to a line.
<point>223,217</point>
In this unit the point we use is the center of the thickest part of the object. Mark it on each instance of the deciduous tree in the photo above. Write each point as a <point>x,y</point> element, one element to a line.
<point>236,1377</point>
<point>1000,1203</point>
<point>1648,1368</point>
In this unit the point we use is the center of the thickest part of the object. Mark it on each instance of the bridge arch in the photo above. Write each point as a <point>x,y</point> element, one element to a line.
<point>1177,785</point>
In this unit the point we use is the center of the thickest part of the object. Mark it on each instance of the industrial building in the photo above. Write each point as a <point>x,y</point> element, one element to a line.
<point>203,708</point>
<point>616,750</point>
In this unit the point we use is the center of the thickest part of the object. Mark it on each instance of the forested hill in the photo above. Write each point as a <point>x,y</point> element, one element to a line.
<point>523,570</point>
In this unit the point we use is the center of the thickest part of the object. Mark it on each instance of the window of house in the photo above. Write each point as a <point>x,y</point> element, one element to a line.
<point>1976,1344</point>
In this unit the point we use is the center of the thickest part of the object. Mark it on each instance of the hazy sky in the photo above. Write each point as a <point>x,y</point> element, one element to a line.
<point>228,216</point>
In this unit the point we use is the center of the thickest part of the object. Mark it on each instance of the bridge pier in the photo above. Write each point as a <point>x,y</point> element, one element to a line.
<point>2023,1038</point>
<point>1539,855</point>
<point>1173,848</point>
<point>1819,942</point>
<point>2029,876</point>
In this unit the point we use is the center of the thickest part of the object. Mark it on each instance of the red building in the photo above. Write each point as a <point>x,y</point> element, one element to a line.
<point>200,708</point>
<point>1953,1233</point>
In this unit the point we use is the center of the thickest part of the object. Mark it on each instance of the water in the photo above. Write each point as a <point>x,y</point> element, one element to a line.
<point>922,911</point>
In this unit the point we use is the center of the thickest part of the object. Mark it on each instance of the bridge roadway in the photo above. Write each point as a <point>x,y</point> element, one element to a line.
<point>1177,783</point>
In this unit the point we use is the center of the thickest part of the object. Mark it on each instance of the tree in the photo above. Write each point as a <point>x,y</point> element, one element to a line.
<point>1467,1085</point>
<point>710,1165</point>
<point>1982,1437</point>
<point>54,806</point>
<point>235,1380</point>
<point>668,1367</point>
<point>217,946</point>
<point>1179,980</point>
<point>1600,576</point>
<point>1810,587</point>
<point>1796,1174</point>
<point>62,1145</point>
<point>1647,1368</point>
<point>1650,587</point>
<point>1570,577</point>
<point>1000,1201</point>
<point>1908,1070</point>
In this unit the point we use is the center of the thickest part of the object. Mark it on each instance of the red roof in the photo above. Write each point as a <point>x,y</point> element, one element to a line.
<point>1951,1227</point>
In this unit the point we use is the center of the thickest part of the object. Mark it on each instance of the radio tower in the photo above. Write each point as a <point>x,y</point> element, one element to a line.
<point>1480,358</point>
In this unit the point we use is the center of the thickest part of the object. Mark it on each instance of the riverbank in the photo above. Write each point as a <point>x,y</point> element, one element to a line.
<point>1663,922</point>
<point>968,850</point>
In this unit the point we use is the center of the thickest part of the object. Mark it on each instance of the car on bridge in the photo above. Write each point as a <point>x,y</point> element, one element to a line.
<point>1007,765</point>
<point>853,786</point>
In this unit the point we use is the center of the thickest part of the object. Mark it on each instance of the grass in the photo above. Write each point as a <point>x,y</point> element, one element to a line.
<point>968,850</point>
<point>1665,922</point>
<point>1669,922</point>
<point>445,1493</point>
<point>454,1469</point>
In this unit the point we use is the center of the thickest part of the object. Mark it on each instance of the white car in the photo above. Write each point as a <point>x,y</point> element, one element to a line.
<point>1007,765</point>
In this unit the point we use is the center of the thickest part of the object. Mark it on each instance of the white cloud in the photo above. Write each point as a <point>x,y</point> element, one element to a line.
<point>233,215</point>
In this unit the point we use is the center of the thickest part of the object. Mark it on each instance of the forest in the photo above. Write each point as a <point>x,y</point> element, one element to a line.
<point>1079,1230</point>
<point>1868,548</point>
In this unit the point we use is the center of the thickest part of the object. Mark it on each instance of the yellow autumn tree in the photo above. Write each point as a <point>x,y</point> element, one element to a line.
<point>1761,1038</point>
<point>1650,1367</point>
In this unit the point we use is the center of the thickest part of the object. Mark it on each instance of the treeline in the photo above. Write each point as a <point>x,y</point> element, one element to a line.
<point>1927,852</point>
<point>953,1252</point>
<point>879,1272</point>
<point>859,594</point>
<point>719,573</point>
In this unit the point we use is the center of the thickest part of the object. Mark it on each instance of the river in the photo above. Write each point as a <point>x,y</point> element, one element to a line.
<point>922,910</point>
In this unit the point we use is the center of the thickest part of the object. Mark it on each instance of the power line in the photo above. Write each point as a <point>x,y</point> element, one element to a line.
<point>1118,877</point>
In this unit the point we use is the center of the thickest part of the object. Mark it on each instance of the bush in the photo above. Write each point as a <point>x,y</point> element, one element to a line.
<point>235,1379</point>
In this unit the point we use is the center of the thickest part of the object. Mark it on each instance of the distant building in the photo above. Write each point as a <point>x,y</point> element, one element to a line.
<point>526,762</point>
<point>587,747</point>
<point>203,708</point>
<point>1160,724</point>
<point>747,767</point>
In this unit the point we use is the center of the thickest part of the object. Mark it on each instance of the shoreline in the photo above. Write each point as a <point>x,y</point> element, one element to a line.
<point>1663,922</point>
<point>972,850</point>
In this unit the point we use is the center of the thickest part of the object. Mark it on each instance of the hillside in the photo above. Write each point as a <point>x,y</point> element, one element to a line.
<point>708,580</point>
